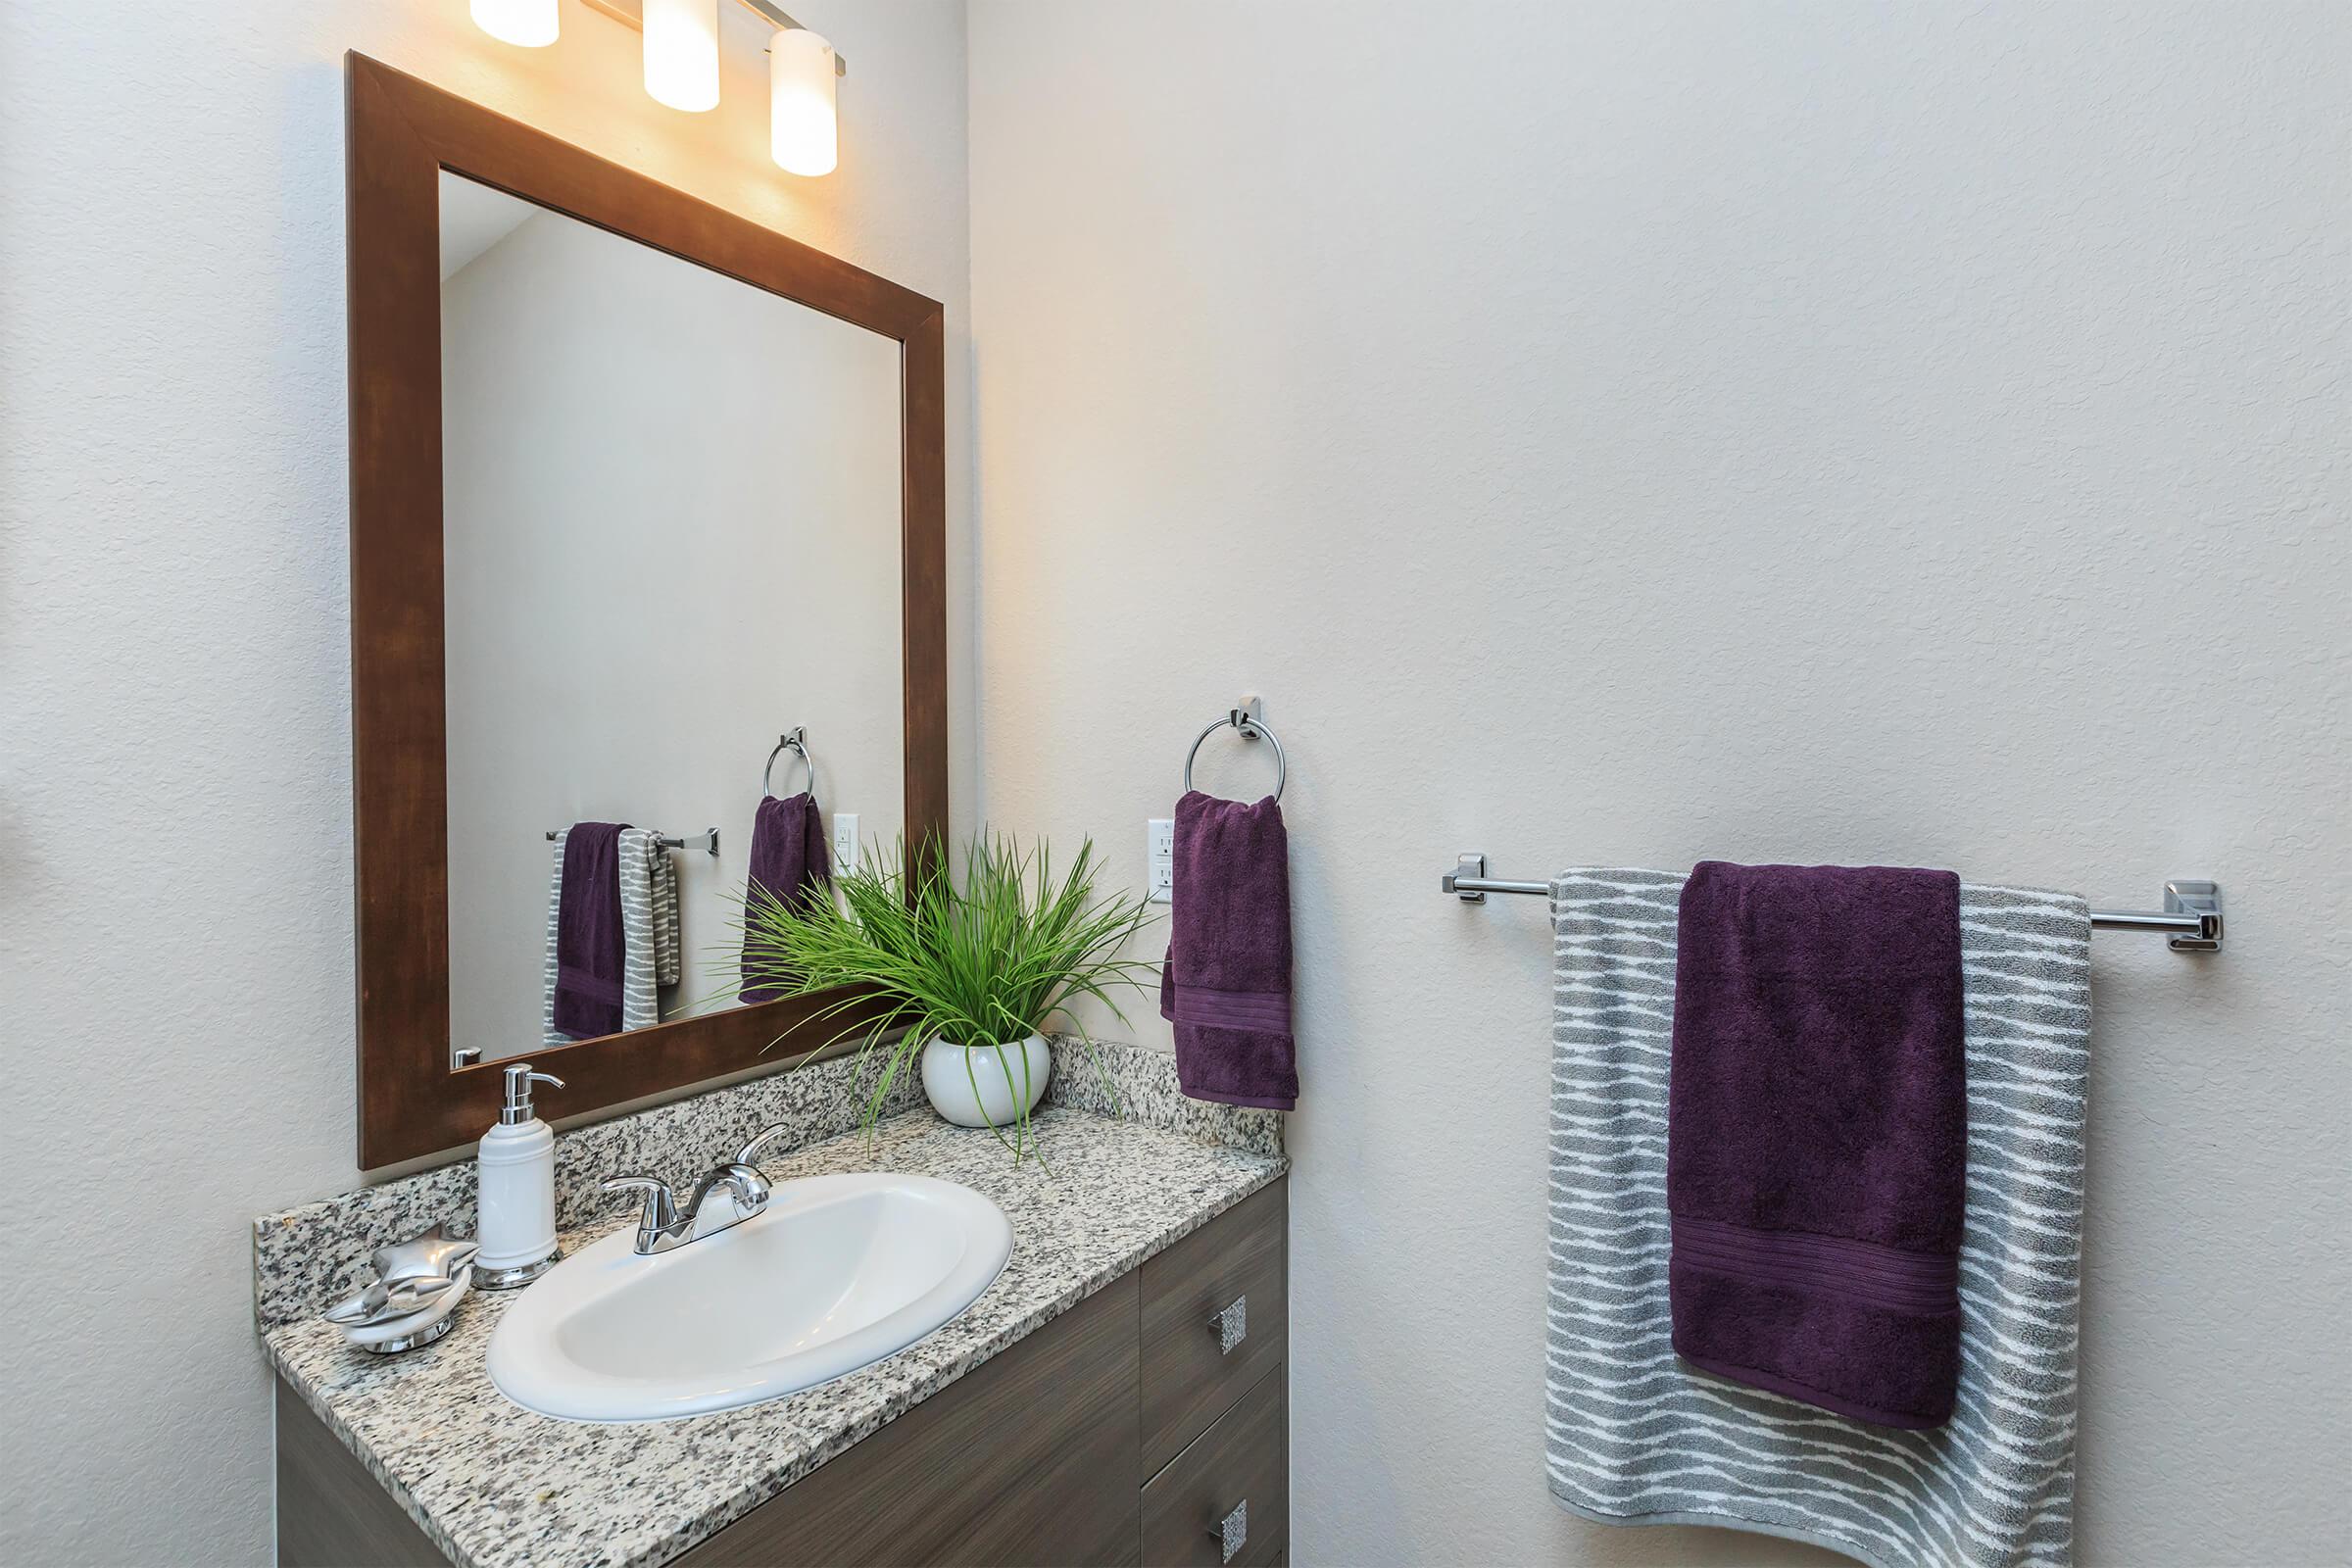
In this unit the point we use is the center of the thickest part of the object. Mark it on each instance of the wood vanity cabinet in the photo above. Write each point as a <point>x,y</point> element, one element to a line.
<point>1150,1424</point>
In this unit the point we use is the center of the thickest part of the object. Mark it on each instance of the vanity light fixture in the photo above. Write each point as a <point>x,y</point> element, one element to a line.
<point>681,53</point>
<point>681,65</point>
<point>802,135</point>
<point>529,24</point>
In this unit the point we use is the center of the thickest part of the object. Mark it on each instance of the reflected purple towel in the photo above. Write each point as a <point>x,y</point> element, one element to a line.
<point>789,859</point>
<point>590,948</point>
<point>1817,1135</point>
<point>1226,984</point>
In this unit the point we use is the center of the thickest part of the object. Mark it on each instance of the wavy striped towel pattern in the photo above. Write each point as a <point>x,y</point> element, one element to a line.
<point>1634,1437</point>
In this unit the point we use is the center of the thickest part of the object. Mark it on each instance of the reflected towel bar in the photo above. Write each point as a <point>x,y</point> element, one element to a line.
<point>2193,910</point>
<point>706,840</point>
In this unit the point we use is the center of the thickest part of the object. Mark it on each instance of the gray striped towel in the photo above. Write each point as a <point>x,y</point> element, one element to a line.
<point>1635,1437</point>
<point>649,925</point>
<point>650,955</point>
<point>661,871</point>
<point>549,1035</point>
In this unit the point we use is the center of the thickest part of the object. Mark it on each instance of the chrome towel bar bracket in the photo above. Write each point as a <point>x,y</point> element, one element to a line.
<point>2191,914</point>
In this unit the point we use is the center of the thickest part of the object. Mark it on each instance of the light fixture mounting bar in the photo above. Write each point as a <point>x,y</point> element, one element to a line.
<point>631,14</point>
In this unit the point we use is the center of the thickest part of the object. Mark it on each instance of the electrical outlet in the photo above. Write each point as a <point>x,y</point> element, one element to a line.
<point>844,842</point>
<point>1160,859</point>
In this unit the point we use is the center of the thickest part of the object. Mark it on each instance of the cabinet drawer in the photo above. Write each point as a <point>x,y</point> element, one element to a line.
<point>1025,1460</point>
<point>1237,1470</point>
<point>1230,1270</point>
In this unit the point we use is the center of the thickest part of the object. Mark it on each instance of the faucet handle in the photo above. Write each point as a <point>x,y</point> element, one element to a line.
<point>661,1209</point>
<point>744,1156</point>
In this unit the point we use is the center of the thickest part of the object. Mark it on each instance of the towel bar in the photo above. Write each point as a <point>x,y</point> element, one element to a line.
<point>706,840</point>
<point>2192,909</point>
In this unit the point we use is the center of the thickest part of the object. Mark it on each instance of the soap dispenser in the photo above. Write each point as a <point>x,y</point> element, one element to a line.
<point>517,1171</point>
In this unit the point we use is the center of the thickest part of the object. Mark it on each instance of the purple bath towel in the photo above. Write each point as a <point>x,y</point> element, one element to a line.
<point>591,949</point>
<point>1226,984</point>
<point>790,858</point>
<point>1816,1136</point>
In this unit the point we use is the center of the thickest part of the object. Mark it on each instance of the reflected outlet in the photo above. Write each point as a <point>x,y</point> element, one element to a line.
<point>1160,859</point>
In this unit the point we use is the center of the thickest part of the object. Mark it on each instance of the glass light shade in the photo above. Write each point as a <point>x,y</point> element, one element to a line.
<point>530,23</point>
<point>801,129</point>
<point>681,53</point>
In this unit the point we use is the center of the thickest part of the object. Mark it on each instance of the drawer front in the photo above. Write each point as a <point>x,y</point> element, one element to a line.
<point>1214,1321</point>
<point>1228,1493</point>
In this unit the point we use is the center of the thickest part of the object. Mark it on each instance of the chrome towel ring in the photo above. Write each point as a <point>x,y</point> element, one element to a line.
<point>796,741</point>
<point>1245,720</point>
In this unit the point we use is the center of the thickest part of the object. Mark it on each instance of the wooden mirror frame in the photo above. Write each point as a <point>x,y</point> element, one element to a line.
<point>399,135</point>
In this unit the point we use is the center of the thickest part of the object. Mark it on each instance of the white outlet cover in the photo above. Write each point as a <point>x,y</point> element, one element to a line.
<point>844,841</point>
<point>1160,859</point>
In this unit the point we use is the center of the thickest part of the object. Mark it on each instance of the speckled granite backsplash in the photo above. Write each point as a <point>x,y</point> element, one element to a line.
<point>307,1257</point>
<point>1148,1091</point>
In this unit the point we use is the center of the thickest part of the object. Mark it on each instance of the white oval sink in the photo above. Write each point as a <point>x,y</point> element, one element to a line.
<point>835,1272</point>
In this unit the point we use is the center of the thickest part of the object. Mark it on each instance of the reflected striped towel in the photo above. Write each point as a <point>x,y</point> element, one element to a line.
<point>662,900</point>
<point>1635,1437</point>
<point>649,923</point>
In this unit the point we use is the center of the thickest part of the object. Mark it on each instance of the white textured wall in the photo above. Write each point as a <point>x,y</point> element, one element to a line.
<point>175,973</point>
<point>1627,432</point>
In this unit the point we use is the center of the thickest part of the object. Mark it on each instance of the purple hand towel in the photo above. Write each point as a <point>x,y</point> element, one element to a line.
<point>1816,1136</point>
<point>1226,984</point>
<point>790,860</point>
<point>589,947</point>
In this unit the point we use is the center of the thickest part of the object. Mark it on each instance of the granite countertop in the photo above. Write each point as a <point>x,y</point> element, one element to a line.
<point>493,1485</point>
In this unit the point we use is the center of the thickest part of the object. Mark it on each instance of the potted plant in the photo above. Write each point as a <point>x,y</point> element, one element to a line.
<point>968,971</point>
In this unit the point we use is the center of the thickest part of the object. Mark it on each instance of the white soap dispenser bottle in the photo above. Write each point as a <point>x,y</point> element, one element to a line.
<point>518,1169</point>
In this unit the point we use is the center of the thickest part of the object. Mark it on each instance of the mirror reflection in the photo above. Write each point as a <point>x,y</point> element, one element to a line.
<point>672,523</point>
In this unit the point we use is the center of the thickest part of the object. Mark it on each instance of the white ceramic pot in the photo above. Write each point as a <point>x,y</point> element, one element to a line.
<point>1002,1073</point>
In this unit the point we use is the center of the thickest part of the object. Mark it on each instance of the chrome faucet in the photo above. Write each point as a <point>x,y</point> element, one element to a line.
<point>661,1225</point>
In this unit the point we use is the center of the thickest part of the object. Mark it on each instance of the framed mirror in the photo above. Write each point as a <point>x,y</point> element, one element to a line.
<point>648,577</point>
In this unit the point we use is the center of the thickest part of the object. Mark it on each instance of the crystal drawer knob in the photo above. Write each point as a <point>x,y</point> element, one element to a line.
<point>1231,1326</point>
<point>1231,1532</point>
